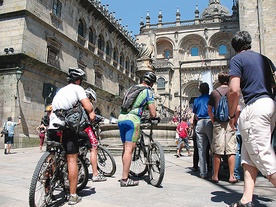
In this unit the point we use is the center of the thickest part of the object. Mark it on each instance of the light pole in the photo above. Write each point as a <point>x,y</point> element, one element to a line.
<point>180,90</point>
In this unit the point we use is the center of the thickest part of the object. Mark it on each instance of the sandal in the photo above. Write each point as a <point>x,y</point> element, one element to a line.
<point>129,182</point>
<point>239,204</point>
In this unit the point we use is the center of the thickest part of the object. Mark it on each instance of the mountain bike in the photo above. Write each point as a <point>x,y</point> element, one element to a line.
<point>105,160</point>
<point>50,177</point>
<point>51,173</point>
<point>148,155</point>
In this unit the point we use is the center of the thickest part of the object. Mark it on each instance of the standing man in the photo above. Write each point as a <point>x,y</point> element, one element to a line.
<point>250,72</point>
<point>9,138</point>
<point>129,124</point>
<point>224,139</point>
<point>204,128</point>
<point>67,98</point>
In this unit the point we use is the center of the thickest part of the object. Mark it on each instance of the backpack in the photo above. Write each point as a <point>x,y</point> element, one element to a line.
<point>131,96</point>
<point>222,112</point>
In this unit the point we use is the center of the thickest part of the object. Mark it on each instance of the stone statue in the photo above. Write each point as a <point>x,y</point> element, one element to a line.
<point>147,49</point>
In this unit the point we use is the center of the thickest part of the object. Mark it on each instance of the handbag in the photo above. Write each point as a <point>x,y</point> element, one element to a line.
<point>4,131</point>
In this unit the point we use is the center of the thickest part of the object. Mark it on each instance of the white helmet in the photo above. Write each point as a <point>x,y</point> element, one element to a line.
<point>91,94</point>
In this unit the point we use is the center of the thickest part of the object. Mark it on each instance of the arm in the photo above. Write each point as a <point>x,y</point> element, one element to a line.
<point>152,110</point>
<point>89,108</point>
<point>233,99</point>
<point>210,113</point>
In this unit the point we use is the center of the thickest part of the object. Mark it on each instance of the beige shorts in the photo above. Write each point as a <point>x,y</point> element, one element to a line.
<point>256,123</point>
<point>224,139</point>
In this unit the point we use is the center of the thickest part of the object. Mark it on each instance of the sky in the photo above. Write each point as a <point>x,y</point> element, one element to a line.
<point>131,11</point>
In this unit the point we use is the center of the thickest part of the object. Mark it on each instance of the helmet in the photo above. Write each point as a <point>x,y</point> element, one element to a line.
<point>91,94</point>
<point>49,108</point>
<point>149,77</point>
<point>75,74</point>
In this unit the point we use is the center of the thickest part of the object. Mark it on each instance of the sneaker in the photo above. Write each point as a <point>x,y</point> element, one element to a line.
<point>74,199</point>
<point>128,183</point>
<point>98,178</point>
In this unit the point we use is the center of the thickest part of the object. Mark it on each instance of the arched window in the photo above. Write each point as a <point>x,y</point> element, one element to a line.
<point>108,49</point>
<point>132,67</point>
<point>115,55</point>
<point>81,29</point>
<point>161,83</point>
<point>122,59</point>
<point>222,50</point>
<point>194,51</point>
<point>101,43</point>
<point>167,54</point>
<point>91,36</point>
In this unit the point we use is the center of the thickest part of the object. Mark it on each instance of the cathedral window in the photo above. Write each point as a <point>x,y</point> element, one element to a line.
<point>194,51</point>
<point>167,54</point>
<point>222,50</point>
<point>161,83</point>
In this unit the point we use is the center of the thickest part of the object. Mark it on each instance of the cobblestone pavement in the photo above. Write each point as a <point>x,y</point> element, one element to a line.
<point>181,186</point>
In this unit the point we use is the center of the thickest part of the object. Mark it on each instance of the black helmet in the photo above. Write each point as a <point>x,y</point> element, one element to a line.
<point>149,77</point>
<point>75,74</point>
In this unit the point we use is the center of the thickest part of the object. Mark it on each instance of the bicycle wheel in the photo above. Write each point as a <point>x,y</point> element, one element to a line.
<point>138,166</point>
<point>41,192</point>
<point>83,174</point>
<point>106,162</point>
<point>156,160</point>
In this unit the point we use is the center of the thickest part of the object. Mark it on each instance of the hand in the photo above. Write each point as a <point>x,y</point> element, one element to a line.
<point>233,124</point>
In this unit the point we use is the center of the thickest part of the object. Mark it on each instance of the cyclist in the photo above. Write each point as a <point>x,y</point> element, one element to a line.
<point>129,125</point>
<point>65,99</point>
<point>93,142</point>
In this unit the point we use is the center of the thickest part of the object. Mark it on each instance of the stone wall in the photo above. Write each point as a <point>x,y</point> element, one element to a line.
<point>258,18</point>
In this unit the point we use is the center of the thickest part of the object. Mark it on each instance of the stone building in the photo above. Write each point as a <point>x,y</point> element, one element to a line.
<point>40,39</point>
<point>190,52</point>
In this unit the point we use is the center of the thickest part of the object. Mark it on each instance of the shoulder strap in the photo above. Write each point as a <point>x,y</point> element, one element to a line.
<point>218,92</point>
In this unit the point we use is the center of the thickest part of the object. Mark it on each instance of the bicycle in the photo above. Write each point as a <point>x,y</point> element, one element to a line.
<point>105,160</point>
<point>51,176</point>
<point>148,157</point>
<point>51,171</point>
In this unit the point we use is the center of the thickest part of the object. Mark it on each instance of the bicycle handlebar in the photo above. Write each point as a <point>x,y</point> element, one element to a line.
<point>153,121</point>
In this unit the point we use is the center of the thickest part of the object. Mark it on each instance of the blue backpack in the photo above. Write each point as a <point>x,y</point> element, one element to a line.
<point>222,112</point>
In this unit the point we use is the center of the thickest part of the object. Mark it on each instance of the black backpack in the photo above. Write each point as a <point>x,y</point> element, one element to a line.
<point>130,97</point>
<point>222,112</point>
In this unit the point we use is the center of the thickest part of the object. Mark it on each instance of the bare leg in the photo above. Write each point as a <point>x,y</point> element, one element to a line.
<point>126,158</point>
<point>231,165</point>
<point>216,167</point>
<point>93,160</point>
<point>9,148</point>
<point>250,175</point>
<point>72,172</point>
<point>272,179</point>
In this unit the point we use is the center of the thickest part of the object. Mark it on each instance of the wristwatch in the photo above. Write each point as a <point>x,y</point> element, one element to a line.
<point>232,117</point>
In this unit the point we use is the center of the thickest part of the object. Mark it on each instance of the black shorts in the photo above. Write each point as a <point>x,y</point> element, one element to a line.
<point>8,139</point>
<point>69,140</point>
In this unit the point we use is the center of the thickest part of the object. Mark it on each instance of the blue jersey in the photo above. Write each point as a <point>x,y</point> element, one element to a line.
<point>255,75</point>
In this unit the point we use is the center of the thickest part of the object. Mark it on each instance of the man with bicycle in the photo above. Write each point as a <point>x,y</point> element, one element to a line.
<point>67,98</point>
<point>129,124</point>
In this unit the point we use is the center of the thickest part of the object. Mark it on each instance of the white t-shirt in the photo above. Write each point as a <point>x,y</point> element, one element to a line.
<point>66,98</point>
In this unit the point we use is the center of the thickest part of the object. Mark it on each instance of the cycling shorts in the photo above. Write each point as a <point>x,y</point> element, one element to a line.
<point>129,126</point>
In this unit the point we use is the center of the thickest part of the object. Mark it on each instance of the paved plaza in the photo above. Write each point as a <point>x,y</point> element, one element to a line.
<point>181,186</point>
